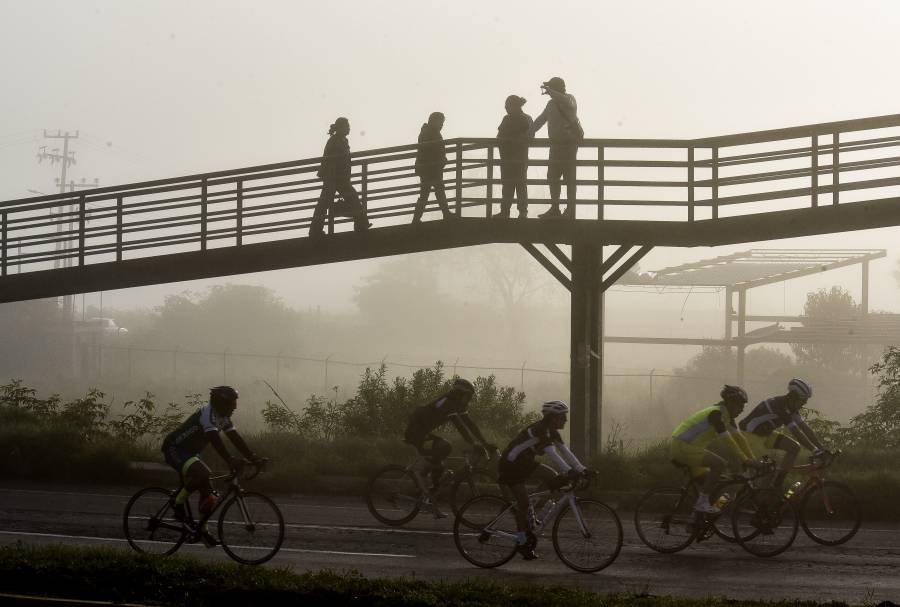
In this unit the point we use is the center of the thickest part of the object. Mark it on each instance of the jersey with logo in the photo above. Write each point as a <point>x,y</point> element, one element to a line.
<point>769,415</point>
<point>193,434</point>
<point>705,425</point>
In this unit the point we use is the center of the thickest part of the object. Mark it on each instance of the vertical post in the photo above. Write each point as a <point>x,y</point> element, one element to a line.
<point>458,178</point>
<point>690,184</point>
<point>835,167</point>
<point>814,169</point>
<point>601,176</point>
<point>3,237</point>
<point>522,377</point>
<point>596,355</point>
<point>82,220</point>
<point>742,329</point>
<point>203,205</point>
<point>489,207</point>
<point>239,213</point>
<point>580,357</point>
<point>864,299</point>
<point>364,189</point>
<point>728,303</point>
<point>119,204</point>
<point>715,183</point>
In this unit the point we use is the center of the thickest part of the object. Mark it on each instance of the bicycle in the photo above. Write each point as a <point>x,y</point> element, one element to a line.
<point>829,511</point>
<point>587,534</point>
<point>666,522</point>
<point>396,494</point>
<point>250,525</point>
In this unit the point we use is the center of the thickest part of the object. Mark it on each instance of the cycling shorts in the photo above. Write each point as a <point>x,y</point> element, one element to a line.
<point>180,459</point>
<point>774,441</point>
<point>689,455</point>
<point>516,472</point>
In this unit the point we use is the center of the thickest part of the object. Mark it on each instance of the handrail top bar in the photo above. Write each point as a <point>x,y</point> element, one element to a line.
<point>823,128</point>
<point>259,171</point>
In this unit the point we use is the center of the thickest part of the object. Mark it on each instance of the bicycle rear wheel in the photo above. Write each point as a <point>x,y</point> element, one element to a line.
<point>472,484</point>
<point>764,523</point>
<point>251,528</point>
<point>484,531</point>
<point>664,519</point>
<point>149,522</point>
<point>393,496</point>
<point>587,537</point>
<point>830,514</point>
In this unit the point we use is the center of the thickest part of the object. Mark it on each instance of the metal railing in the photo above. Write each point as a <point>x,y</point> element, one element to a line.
<point>624,179</point>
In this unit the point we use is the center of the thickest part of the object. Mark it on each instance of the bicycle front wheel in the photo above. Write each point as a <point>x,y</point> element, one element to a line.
<point>485,531</point>
<point>251,528</point>
<point>472,484</point>
<point>393,496</point>
<point>587,536</point>
<point>764,523</point>
<point>830,513</point>
<point>149,522</point>
<point>664,519</point>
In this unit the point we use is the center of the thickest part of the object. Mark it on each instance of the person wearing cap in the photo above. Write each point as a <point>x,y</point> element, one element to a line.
<point>431,157</point>
<point>512,141</point>
<point>565,132</point>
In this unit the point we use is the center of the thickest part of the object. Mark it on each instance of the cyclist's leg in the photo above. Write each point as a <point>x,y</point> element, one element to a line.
<point>716,465</point>
<point>436,453</point>
<point>511,477</point>
<point>701,462</point>
<point>791,448</point>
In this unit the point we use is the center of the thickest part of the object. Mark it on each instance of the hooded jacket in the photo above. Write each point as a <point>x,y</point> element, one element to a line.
<point>431,157</point>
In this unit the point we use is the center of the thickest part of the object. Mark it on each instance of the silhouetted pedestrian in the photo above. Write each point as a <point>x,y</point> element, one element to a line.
<point>431,157</point>
<point>512,140</point>
<point>564,129</point>
<point>335,175</point>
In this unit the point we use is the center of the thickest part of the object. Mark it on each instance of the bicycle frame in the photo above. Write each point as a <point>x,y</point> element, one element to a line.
<point>814,480</point>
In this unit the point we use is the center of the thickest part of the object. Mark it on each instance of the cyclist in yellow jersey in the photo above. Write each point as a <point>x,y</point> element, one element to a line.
<point>692,436</point>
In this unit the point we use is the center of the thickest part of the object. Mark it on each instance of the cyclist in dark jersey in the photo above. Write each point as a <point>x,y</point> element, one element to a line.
<point>517,464</point>
<point>183,445</point>
<point>762,423</point>
<point>424,420</point>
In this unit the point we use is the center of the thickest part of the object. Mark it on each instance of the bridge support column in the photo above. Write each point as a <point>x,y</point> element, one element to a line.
<point>586,362</point>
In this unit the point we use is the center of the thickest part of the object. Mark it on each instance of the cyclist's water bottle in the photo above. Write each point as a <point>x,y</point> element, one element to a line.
<point>722,501</point>
<point>792,490</point>
<point>548,506</point>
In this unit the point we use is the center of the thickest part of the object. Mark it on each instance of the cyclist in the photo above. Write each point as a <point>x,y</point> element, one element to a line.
<point>423,421</point>
<point>183,445</point>
<point>762,423</point>
<point>517,464</point>
<point>692,437</point>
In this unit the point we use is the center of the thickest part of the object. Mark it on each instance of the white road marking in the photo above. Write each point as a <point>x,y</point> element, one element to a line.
<point>118,539</point>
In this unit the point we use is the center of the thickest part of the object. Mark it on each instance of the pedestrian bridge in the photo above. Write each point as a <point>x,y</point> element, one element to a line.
<point>633,193</point>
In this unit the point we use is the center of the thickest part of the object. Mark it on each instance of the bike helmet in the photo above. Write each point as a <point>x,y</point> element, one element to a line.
<point>462,385</point>
<point>800,388</point>
<point>223,396</point>
<point>734,393</point>
<point>556,407</point>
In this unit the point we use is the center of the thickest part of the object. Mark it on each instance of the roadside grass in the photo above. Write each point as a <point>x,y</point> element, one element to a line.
<point>106,574</point>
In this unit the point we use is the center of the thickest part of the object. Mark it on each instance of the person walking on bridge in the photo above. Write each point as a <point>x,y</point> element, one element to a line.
<point>431,157</point>
<point>512,140</point>
<point>564,129</point>
<point>335,174</point>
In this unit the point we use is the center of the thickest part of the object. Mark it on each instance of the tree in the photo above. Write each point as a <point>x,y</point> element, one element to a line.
<point>827,307</point>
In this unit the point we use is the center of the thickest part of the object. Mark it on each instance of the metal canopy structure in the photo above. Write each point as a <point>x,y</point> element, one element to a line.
<point>754,268</point>
<point>739,272</point>
<point>633,193</point>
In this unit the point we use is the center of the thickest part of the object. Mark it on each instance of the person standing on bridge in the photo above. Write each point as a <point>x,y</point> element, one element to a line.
<point>512,141</point>
<point>564,129</point>
<point>431,157</point>
<point>335,174</point>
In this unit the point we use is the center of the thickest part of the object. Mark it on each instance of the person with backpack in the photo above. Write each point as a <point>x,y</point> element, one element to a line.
<point>565,132</point>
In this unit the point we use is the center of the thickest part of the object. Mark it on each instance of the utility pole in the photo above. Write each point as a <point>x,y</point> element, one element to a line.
<point>64,159</point>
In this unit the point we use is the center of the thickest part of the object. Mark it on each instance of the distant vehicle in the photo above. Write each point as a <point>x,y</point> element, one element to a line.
<point>105,326</point>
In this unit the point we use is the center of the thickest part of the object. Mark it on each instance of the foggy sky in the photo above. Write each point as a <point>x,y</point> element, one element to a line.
<point>159,89</point>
